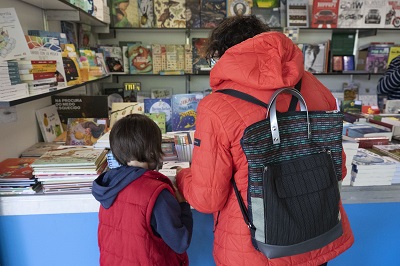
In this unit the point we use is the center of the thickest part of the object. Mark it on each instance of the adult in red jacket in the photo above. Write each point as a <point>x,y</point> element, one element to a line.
<point>257,62</point>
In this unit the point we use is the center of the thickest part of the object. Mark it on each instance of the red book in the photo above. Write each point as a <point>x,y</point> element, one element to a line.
<point>37,76</point>
<point>324,14</point>
<point>16,168</point>
<point>34,62</point>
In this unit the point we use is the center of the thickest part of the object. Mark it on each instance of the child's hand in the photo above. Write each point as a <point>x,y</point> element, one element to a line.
<point>178,195</point>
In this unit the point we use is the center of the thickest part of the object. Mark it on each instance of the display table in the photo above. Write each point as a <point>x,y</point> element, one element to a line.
<point>62,229</point>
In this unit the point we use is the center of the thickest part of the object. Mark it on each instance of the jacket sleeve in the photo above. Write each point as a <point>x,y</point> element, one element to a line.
<point>389,83</point>
<point>205,185</point>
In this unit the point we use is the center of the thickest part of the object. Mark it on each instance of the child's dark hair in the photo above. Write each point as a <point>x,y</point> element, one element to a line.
<point>136,137</point>
<point>231,31</point>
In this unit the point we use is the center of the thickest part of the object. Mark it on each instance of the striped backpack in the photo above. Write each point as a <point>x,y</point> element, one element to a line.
<point>294,166</point>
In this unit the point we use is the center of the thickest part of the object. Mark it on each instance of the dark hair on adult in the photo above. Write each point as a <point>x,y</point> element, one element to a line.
<point>136,137</point>
<point>231,31</point>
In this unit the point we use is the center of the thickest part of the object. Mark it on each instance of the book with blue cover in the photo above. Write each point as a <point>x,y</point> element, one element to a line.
<point>162,105</point>
<point>184,111</point>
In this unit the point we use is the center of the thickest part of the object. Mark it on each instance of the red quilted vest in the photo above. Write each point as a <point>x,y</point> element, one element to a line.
<point>125,236</point>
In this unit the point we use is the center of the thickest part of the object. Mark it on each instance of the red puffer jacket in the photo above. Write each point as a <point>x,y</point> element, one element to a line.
<point>257,66</point>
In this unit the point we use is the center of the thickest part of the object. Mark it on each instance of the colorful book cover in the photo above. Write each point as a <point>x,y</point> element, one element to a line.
<point>238,7</point>
<point>16,168</point>
<point>45,48</point>
<point>146,13</point>
<point>85,131</point>
<point>391,16</point>
<point>157,93</point>
<point>70,32</point>
<point>62,37</point>
<point>324,13</point>
<point>140,58</point>
<point>297,13</point>
<point>193,14</point>
<point>71,65</point>
<point>351,106</point>
<point>393,53</point>
<point>212,12</point>
<point>359,131</point>
<point>377,58</point>
<point>159,119</point>
<point>267,3</point>
<point>162,105</point>
<point>80,106</point>
<point>119,110</point>
<point>159,52</point>
<point>315,57</point>
<point>162,14</point>
<point>12,40</point>
<point>184,108</point>
<point>392,150</point>
<point>269,16</point>
<point>175,54</point>
<point>49,123</point>
<point>70,156</point>
<point>351,14</point>
<point>113,57</point>
<point>199,62</point>
<point>177,12</point>
<point>124,13</point>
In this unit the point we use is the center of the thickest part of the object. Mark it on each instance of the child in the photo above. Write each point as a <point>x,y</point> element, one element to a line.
<point>143,219</point>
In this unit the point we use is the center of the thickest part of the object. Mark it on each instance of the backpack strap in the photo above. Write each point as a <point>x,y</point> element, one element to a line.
<point>244,96</point>
<point>293,102</point>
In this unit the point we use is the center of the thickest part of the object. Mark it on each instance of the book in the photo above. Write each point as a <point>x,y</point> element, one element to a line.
<point>13,44</point>
<point>38,76</point>
<point>376,61</point>
<point>46,48</point>
<point>159,119</point>
<point>315,57</point>
<point>169,168</point>
<point>49,122</point>
<point>350,91</point>
<point>297,13</point>
<point>177,14</point>
<point>161,105</point>
<point>20,168</point>
<point>184,108</point>
<point>62,37</point>
<point>157,93</point>
<point>119,110</point>
<point>124,14</point>
<point>350,15</point>
<point>393,53</point>
<point>392,150</point>
<point>113,58</point>
<point>269,16</point>
<point>351,106</point>
<point>212,12</point>
<point>375,14</point>
<point>140,59</point>
<point>38,149</point>
<point>70,156</point>
<point>85,131</point>
<point>70,32</point>
<point>193,14</point>
<point>71,65</point>
<point>199,61</point>
<point>392,107</point>
<point>146,13</point>
<point>324,14</point>
<point>238,8</point>
<point>266,3</point>
<point>364,130</point>
<point>80,106</point>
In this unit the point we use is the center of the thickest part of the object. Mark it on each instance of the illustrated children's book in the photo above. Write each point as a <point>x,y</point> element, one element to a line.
<point>124,13</point>
<point>49,123</point>
<point>159,119</point>
<point>192,14</point>
<point>38,149</point>
<point>85,131</point>
<point>239,7</point>
<point>119,110</point>
<point>71,65</point>
<point>16,168</point>
<point>146,13</point>
<point>212,12</point>
<point>140,58</point>
<point>12,40</point>
<point>162,105</point>
<point>184,108</point>
<point>46,48</point>
<point>200,64</point>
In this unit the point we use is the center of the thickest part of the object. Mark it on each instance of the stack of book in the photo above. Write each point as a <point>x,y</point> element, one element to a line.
<point>350,148</point>
<point>69,169</point>
<point>16,177</point>
<point>393,151</point>
<point>39,74</point>
<point>38,149</point>
<point>11,86</point>
<point>372,169</point>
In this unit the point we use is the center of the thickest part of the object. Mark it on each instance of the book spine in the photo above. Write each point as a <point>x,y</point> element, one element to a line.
<point>37,76</point>
<point>35,62</point>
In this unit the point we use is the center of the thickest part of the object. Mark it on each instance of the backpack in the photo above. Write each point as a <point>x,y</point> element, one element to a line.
<point>294,168</point>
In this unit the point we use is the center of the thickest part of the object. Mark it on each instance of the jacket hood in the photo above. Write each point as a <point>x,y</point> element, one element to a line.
<point>107,186</point>
<point>267,61</point>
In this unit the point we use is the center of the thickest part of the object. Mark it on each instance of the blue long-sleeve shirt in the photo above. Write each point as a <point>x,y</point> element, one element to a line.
<point>389,84</point>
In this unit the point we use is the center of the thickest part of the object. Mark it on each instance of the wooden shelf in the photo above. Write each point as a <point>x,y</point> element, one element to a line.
<point>43,95</point>
<point>63,5</point>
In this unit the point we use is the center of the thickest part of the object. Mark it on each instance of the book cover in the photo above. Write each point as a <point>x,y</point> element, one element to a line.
<point>364,130</point>
<point>376,61</point>
<point>351,106</point>
<point>177,14</point>
<point>351,14</point>
<point>146,13</point>
<point>193,14</point>
<point>140,58</point>
<point>392,14</point>
<point>62,37</point>
<point>12,40</point>
<point>184,108</point>
<point>157,93</point>
<point>68,28</point>
<point>49,123</point>
<point>124,13</point>
<point>113,58</point>
<point>238,7</point>
<point>199,62</point>
<point>297,13</point>
<point>169,168</point>
<point>393,53</point>
<point>212,12</point>
<point>159,57</point>
<point>71,65</point>
<point>16,168</point>
<point>269,16</point>
<point>159,119</point>
<point>315,57</point>
<point>46,48</point>
<point>324,13</point>
<point>80,106</point>
<point>392,107</point>
<point>267,3</point>
<point>70,156</point>
<point>350,91</point>
<point>85,131</point>
<point>348,62</point>
<point>38,149</point>
<point>119,110</point>
<point>161,105</point>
